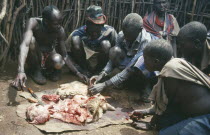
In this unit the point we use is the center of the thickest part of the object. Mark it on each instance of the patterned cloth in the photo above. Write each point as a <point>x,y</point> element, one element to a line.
<point>107,33</point>
<point>170,27</point>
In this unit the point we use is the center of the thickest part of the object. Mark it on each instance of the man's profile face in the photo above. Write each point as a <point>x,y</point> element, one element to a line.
<point>186,46</point>
<point>161,5</point>
<point>94,30</point>
<point>149,62</point>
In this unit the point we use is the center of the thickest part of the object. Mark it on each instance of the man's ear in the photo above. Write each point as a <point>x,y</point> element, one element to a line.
<point>198,44</point>
<point>156,61</point>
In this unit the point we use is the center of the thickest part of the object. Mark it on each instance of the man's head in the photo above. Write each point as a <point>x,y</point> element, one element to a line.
<point>191,39</point>
<point>132,25</point>
<point>156,54</point>
<point>161,6</point>
<point>52,18</point>
<point>95,20</point>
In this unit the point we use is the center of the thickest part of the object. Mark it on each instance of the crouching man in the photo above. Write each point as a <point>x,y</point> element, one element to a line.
<point>180,97</point>
<point>89,45</point>
<point>43,49</point>
<point>126,55</point>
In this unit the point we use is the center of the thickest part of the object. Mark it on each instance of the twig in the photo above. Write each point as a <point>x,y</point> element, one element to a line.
<point>3,11</point>
<point>5,40</point>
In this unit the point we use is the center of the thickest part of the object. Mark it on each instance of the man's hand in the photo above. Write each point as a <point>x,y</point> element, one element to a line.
<point>97,88</point>
<point>84,78</point>
<point>95,79</point>
<point>20,80</point>
<point>138,114</point>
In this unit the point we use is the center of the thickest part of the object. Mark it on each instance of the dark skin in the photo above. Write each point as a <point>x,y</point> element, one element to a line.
<point>192,50</point>
<point>93,30</point>
<point>44,37</point>
<point>160,7</point>
<point>187,98</point>
<point>78,51</point>
<point>129,37</point>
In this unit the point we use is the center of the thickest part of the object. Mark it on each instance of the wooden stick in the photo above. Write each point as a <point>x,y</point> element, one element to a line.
<point>3,11</point>
<point>193,9</point>
<point>5,40</point>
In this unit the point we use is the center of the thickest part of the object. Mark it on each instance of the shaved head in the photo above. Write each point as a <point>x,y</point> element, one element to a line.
<point>193,30</point>
<point>160,49</point>
<point>51,12</point>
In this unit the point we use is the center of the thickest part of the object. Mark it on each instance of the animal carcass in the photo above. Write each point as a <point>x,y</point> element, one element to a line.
<point>37,114</point>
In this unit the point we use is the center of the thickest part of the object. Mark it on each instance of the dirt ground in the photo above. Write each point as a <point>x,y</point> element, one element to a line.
<point>11,124</point>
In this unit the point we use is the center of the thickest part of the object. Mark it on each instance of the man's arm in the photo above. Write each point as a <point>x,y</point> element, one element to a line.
<point>67,59</point>
<point>24,48</point>
<point>116,80</point>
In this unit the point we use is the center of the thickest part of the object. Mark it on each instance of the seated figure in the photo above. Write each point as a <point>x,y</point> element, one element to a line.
<point>126,55</point>
<point>180,98</point>
<point>89,45</point>
<point>160,24</point>
<point>43,49</point>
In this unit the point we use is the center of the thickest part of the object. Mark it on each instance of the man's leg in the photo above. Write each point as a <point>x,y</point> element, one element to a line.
<point>34,63</point>
<point>117,56</point>
<point>78,52</point>
<point>103,57</point>
<point>193,126</point>
<point>53,65</point>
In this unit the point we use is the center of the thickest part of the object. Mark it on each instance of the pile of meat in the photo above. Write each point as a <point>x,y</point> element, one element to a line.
<point>78,109</point>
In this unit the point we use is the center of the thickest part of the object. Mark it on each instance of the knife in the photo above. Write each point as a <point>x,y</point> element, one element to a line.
<point>35,96</point>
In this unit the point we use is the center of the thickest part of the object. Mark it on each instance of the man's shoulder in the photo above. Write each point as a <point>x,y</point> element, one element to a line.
<point>33,22</point>
<point>79,31</point>
<point>108,27</point>
<point>174,63</point>
<point>107,30</point>
<point>146,35</point>
<point>120,36</point>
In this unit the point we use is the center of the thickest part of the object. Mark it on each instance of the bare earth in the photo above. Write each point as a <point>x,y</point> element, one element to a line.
<point>11,124</point>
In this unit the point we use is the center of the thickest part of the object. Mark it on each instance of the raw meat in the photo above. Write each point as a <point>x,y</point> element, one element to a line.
<point>97,105</point>
<point>54,98</point>
<point>71,110</point>
<point>80,109</point>
<point>38,114</point>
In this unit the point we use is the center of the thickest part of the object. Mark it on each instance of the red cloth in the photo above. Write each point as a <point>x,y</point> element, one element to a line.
<point>151,19</point>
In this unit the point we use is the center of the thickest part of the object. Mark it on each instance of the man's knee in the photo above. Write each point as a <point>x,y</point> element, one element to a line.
<point>76,43</point>
<point>116,55</point>
<point>55,61</point>
<point>105,46</point>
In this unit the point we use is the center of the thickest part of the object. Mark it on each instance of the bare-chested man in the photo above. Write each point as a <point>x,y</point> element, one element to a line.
<point>181,96</point>
<point>43,49</point>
